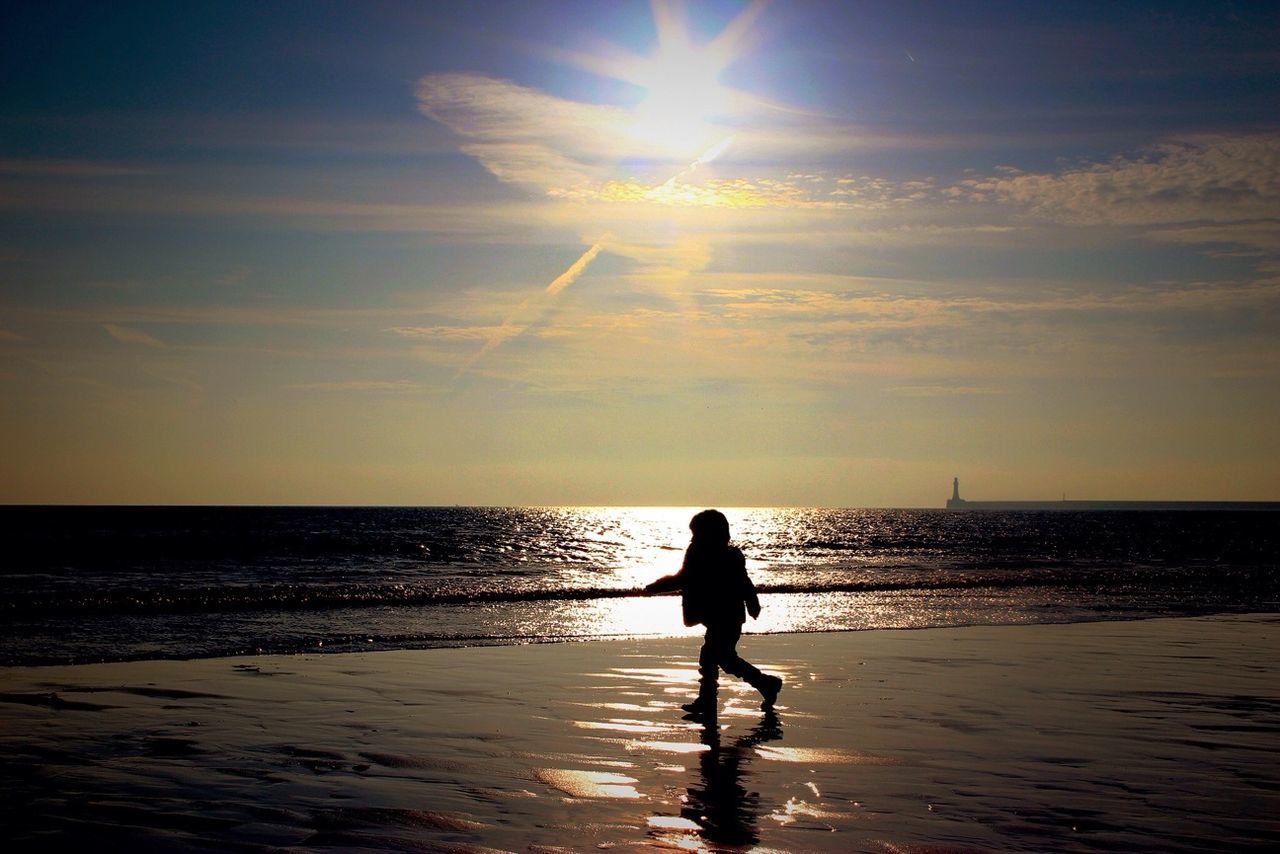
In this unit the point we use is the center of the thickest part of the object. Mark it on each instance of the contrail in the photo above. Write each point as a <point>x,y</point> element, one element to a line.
<point>509,327</point>
<point>566,278</point>
<point>706,157</point>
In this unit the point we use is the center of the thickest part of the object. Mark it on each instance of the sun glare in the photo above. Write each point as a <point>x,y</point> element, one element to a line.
<point>682,96</point>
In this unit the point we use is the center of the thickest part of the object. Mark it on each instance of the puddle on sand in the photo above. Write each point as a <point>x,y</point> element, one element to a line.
<point>821,755</point>
<point>588,784</point>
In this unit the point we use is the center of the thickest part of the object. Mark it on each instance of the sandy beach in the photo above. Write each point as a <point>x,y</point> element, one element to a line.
<point>1157,734</point>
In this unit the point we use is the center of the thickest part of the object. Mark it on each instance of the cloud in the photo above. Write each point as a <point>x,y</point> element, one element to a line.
<point>1008,332</point>
<point>572,151</point>
<point>661,258</point>
<point>331,214</point>
<point>886,308</point>
<point>359,386</point>
<point>1219,179</point>
<point>813,331</point>
<point>126,335</point>
<point>1258,237</point>
<point>6,335</point>
<point>958,390</point>
<point>816,191</point>
<point>121,317</point>
<point>523,135</point>
<point>234,276</point>
<point>447,333</point>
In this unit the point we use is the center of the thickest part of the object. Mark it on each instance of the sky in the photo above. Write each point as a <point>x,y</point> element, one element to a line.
<point>718,254</point>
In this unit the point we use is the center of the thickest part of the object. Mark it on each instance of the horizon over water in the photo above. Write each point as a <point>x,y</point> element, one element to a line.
<point>940,504</point>
<point>121,582</point>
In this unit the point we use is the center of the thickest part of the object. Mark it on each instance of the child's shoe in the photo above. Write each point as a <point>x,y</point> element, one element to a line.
<point>770,688</point>
<point>700,708</point>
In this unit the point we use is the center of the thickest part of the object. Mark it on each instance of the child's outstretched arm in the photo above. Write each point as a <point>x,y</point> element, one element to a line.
<point>665,584</point>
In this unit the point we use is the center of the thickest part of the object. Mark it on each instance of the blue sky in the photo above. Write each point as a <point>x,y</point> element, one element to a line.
<point>723,253</point>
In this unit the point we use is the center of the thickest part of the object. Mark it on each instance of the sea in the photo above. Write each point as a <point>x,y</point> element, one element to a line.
<point>92,584</point>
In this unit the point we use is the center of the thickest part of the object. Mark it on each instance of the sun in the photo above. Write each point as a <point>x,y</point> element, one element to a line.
<point>683,96</point>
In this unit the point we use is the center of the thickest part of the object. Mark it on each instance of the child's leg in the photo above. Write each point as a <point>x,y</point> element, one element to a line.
<point>717,646</point>
<point>719,651</point>
<point>738,666</point>
<point>734,664</point>
<point>708,672</point>
<point>708,676</point>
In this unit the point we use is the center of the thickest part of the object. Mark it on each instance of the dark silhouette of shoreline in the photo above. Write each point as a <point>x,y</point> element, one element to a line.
<point>955,502</point>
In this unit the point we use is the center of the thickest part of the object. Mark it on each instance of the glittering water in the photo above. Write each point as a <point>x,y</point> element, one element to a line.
<point>91,584</point>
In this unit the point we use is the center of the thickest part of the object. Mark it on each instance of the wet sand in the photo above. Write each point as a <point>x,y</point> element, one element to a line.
<point>1157,734</point>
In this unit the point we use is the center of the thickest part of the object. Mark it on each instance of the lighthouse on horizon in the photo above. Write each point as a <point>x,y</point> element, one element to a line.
<point>955,500</point>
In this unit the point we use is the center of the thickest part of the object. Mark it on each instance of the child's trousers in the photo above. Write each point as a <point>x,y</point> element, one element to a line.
<point>719,652</point>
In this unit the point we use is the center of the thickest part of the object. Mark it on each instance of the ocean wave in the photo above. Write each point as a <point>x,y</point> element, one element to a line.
<point>291,597</point>
<point>117,583</point>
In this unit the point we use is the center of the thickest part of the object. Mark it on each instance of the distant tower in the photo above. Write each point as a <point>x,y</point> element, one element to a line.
<point>955,500</point>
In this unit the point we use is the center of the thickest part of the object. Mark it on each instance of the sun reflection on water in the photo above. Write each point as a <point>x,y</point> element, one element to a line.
<point>623,549</point>
<point>724,783</point>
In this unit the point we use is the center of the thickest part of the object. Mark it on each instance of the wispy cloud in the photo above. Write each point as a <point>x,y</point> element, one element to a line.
<point>573,151</point>
<point>120,316</point>
<point>958,390</point>
<point>791,191</point>
<point>524,135</point>
<point>808,330</point>
<point>890,307</point>
<point>344,386</point>
<point>127,335</point>
<point>1255,237</point>
<point>447,333</point>
<point>446,220</point>
<point>1219,179</point>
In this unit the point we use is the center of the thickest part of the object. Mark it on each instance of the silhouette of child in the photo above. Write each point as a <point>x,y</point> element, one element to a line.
<point>714,589</point>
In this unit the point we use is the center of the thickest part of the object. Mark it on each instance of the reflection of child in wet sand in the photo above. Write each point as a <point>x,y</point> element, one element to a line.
<point>714,589</point>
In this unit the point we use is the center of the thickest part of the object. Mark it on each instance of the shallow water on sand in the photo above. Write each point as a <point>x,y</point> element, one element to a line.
<point>1119,736</point>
